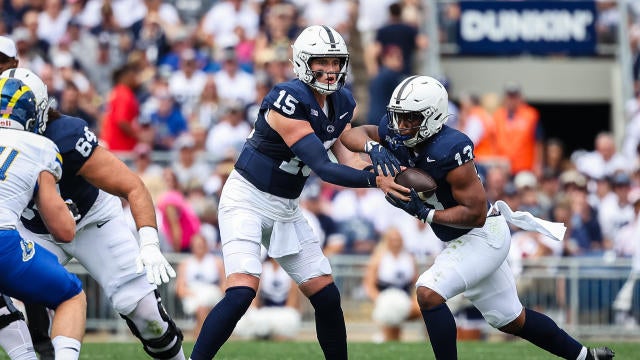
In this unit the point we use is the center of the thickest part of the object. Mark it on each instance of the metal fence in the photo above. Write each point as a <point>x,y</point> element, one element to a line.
<point>577,292</point>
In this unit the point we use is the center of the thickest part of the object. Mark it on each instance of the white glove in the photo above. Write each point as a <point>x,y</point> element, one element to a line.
<point>158,268</point>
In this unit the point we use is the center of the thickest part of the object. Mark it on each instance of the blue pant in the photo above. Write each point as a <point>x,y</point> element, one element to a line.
<point>32,274</point>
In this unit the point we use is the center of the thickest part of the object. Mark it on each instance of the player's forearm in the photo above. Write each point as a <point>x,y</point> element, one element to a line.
<point>142,208</point>
<point>355,139</point>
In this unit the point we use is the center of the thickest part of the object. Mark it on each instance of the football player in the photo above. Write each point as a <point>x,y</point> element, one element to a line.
<point>474,261</point>
<point>30,167</point>
<point>299,121</point>
<point>104,244</point>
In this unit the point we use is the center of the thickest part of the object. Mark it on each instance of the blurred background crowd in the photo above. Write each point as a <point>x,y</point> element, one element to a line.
<point>173,88</point>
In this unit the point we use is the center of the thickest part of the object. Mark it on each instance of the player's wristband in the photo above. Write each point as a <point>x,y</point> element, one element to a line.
<point>430,215</point>
<point>368,146</point>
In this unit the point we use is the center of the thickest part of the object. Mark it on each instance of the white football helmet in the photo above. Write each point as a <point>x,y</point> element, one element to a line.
<point>421,98</point>
<point>39,90</point>
<point>319,41</point>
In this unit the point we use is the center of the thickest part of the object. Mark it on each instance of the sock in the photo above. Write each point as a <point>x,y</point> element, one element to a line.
<point>15,340</point>
<point>221,321</point>
<point>330,327</point>
<point>441,327</point>
<point>66,348</point>
<point>543,332</point>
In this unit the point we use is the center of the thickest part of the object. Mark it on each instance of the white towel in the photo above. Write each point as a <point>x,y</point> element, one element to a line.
<point>526,221</point>
<point>284,240</point>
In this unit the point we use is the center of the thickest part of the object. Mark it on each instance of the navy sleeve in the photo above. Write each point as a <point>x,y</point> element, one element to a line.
<point>310,150</point>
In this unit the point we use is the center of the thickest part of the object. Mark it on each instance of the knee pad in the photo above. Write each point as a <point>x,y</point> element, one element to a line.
<point>8,312</point>
<point>168,344</point>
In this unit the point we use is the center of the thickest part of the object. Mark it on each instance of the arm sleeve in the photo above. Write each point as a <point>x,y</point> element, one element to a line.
<point>311,151</point>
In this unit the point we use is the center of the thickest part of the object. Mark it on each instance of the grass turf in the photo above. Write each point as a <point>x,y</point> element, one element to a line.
<point>264,350</point>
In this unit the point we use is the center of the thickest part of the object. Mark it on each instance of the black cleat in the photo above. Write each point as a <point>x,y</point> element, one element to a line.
<point>600,353</point>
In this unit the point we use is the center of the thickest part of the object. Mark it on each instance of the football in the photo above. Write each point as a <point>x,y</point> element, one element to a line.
<point>420,180</point>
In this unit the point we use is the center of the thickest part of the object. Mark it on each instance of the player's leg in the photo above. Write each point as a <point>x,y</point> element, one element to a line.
<point>241,234</point>
<point>109,253</point>
<point>39,323</point>
<point>50,284</point>
<point>312,271</point>
<point>463,263</point>
<point>14,335</point>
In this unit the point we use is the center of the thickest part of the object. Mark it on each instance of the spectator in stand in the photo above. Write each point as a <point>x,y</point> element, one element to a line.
<point>555,160</point>
<point>218,26</point>
<point>382,84</point>
<point>583,235</point>
<point>200,281</point>
<point>372,15</point>
<point>167,121</point>
<point>615,210</point>
<point>179,221</point>
<point>388,281</point>
<point>495,182</point>
<point>207,111</point>
<point>316,210</point>
<point>187,83</point>
<point>233,82</point>
<point>30,52</point>
<point>52,22</point>
<point>72,104</point>
<point>398,33</point>
<point>476,122</point>
<point>605,160</point>
<point>519,132</point>
<point>120,129</point>
<point>333,13</point>
<point>189,163</point>
<point>226,138</point>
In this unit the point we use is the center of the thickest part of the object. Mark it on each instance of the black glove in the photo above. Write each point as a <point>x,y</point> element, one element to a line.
<point>73,209</point>
<point>414,206</point>
<point>381,157</point>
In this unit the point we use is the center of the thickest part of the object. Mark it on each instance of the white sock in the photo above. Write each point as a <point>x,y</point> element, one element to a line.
<point>15,340</point>
<point>583,354</point>
<point>66,348</point>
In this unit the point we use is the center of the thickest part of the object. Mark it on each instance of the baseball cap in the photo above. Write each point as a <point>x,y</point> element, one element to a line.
<point>512,88</point>
<point>525,179</point>
<point>8,47</point>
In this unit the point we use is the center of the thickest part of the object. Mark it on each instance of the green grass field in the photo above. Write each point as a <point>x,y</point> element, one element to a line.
<point>250,350</point>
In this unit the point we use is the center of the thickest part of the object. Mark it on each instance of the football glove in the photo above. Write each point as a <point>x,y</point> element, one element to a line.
<point>150,258</point>
<point>381,157</point>
<point>73,209</point>
<point>414,206</point>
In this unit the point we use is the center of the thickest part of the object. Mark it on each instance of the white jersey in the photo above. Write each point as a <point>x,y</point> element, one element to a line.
<point>23,156</point>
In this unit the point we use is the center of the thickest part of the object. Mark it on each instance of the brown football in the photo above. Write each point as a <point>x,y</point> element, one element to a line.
<point>420,180</point>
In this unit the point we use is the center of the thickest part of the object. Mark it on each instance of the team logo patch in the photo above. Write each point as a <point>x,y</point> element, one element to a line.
<point>314,112</point>
<point>331,129</point>
<point>28,249</point>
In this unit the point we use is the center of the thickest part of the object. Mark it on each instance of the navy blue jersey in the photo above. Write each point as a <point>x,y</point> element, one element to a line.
<point>441,153</point>
<point>76,144</point>
<point>266,160</point>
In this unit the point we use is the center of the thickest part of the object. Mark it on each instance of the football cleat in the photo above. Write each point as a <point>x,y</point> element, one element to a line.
<point>601,353</point>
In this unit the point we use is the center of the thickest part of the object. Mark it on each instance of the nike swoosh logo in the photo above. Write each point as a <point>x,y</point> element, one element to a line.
<point>101,224</point>
<point>343,115</point>
<point>430,159</point>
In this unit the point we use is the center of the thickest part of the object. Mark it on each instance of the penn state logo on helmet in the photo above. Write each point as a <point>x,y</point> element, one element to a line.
<point>319,41</point>
<point>17,105</point>
<point>420,100</point>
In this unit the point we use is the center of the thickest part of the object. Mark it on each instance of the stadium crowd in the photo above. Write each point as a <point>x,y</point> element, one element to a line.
<point>173,88</point>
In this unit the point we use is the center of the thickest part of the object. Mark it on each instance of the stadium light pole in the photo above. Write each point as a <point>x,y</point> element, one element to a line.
<point>432,65</point>
<point>626,73</point>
